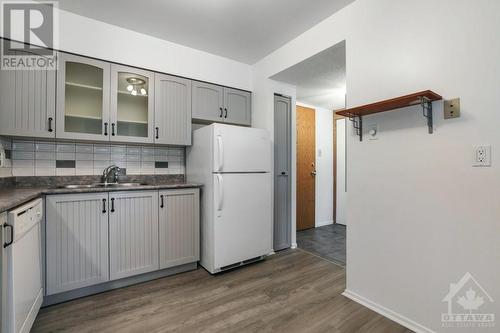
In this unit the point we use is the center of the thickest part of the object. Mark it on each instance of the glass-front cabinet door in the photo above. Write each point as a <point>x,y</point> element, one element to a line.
<point>132,105</point>
<point>82,98</point>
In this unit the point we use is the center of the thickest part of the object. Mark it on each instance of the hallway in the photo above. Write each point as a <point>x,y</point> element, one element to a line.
<point>328,242</point>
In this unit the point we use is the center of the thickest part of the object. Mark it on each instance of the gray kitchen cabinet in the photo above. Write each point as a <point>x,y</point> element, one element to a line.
<point>133,233</point>
<point>27,105</point>
<point>132,105</point>
<point>208,102</point>
<point>82,98</point>
<point>212,103</point>
<point>172,110</point>
<point>179,227</point>
<point>76,241</point>
<point>237,107</point>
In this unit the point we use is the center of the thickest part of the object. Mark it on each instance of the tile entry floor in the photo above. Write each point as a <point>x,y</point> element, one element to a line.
<point>292,291</point>
<point>328,242</point>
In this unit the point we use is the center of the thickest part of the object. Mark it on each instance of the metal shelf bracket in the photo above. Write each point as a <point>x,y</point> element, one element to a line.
<point>357,123</point>
<point>427,112</point>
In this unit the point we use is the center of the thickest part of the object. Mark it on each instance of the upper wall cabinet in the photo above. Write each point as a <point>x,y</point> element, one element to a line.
<point>82,98</point>
<point>172,110</point>
<point>215,103</point>
<point>132,105</point>
<point>237,106</point>
<point>208,102</point>
<point>27,102</point>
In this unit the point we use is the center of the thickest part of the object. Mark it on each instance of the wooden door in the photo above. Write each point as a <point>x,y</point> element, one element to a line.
<point>77,241</point>
<point>27,106</point>
<point>179,227</point>
<point>208,102</point>
<point>133,233</point>
<point>306,172</point>
<point>237,107</point>
<point>172,110</point>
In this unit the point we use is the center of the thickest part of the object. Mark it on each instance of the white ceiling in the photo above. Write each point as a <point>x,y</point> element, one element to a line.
<point>244,30</point>
<point>320,79</point>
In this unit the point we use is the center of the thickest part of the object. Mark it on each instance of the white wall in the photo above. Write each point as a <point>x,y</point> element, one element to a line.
<point>419,214</point>
<point>341,199</point>
<point>81,35</point>
<point>324,165</point>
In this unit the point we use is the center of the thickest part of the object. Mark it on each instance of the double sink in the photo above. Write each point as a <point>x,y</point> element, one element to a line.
<point>103,185</point>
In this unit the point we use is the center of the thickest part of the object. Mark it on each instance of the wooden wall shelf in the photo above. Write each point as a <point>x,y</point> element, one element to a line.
<point>422,98</point>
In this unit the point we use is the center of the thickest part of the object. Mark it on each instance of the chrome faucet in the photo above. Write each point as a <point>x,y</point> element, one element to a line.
<point>112,169</point>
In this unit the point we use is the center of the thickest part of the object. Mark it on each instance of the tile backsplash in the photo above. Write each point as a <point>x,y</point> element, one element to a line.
<point>44,158</point>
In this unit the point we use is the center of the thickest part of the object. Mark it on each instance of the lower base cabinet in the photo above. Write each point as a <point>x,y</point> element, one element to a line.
<point>133,233</point>
<point>93,238</point>
<point>76,241</point>
<point>179,227</point>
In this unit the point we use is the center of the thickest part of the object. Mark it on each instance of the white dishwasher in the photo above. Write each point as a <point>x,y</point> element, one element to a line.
<point>23,250</point>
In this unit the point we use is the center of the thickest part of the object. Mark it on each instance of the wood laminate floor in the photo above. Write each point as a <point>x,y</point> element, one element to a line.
<point>328,242</point>
<point>292,291</point>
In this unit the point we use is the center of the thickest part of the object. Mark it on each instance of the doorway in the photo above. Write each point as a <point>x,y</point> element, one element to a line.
<point>282,165</point>
<point>320,83</point>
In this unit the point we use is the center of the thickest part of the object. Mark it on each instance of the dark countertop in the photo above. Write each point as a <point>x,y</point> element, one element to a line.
<point>13,197</point>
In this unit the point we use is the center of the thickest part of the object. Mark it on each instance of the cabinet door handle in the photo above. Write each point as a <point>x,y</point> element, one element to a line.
<point>162,203</point>
<point>112,129</point>
<point>103,206</point>
<point>225,109</point>
<point>11,239</point>
<point>157,132</point>
<point>112,205</point>
<point>50,124</point>
<point>220,115</point>
<point>106,129</point>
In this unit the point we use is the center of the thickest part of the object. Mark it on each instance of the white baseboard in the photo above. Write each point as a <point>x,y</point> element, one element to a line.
<point>392,315</point>
<point>294,246</point>
<point>323,223</point>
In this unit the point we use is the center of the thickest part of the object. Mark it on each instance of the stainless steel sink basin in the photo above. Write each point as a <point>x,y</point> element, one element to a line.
<point>118,184</point>
<point>77,186</point>
<point>72,186</point>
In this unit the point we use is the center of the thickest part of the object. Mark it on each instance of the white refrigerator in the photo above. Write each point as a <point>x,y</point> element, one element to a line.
<point>233,163</point>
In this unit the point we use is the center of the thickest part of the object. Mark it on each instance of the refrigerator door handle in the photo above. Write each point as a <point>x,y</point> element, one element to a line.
<point>221,192</point>
<point>221,152</point>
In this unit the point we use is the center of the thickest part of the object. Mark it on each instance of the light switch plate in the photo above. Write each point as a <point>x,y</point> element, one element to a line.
<point>482,156</point>
<point>452,108</point>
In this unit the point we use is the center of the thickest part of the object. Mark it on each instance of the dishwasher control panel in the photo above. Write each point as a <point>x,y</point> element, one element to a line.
<point>23,218</point>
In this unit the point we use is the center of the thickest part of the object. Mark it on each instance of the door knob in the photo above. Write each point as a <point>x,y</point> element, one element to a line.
<point>313,173</point>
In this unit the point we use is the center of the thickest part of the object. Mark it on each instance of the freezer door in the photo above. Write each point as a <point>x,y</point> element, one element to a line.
<point>243,217</point>
<point>241,149</point>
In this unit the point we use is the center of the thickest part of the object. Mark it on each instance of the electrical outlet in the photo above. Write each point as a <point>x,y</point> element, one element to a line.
<point>452,108</point>
<point>482,156</point>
